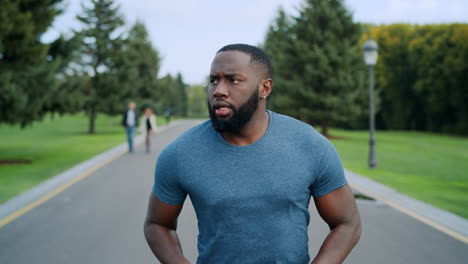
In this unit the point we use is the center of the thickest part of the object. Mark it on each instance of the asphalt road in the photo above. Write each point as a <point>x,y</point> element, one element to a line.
<point>100,220</point>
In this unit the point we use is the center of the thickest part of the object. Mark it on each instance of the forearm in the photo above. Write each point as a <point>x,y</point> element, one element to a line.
<point>338,244</point>
<point>164,243</point>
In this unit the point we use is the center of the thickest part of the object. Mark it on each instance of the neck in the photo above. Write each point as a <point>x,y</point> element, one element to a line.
<point>252,131</point>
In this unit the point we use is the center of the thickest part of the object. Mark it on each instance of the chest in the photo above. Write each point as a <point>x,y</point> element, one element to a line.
<point>249,180</point>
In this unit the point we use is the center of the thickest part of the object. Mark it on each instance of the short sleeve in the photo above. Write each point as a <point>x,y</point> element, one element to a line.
<point>167,186</point>
<point>329,172</point>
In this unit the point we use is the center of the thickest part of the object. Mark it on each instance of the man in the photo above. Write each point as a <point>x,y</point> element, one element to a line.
<point>129,121</point>
<point>250,175</point>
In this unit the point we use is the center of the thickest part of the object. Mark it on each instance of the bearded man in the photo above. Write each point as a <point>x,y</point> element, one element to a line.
<point>250,174</point>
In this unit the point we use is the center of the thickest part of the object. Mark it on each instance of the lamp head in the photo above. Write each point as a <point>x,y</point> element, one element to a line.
<point>370,49</point>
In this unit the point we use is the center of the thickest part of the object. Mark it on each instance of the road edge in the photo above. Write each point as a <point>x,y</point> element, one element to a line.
<point>444,221</point>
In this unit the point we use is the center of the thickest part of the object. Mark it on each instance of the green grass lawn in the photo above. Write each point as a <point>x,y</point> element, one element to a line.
<point>429,167</point>
<point>52,146</point>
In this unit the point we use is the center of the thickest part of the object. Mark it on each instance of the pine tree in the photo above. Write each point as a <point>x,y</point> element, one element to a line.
<point>174,95</point>
<point>101,44</point>
<point>331,62</point>
<point>180,95</point>
<point>321,70</point>
<point>68,97</point>
<point>138,66</point>
<point>27,75</point>
<point>279,46</point>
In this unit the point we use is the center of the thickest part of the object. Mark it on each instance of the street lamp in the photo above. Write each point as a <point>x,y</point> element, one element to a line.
<point>370,49</point>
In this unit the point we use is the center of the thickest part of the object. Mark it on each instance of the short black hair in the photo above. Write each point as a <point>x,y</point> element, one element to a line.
<point>257,55</point>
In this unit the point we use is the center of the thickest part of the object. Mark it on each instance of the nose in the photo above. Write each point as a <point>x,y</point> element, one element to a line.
<point>221,90</point>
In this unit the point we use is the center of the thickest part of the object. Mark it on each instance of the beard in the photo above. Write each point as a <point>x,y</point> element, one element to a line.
<point>239,117</point>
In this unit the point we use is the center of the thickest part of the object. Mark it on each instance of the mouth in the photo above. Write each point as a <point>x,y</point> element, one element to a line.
<point>222,109</point>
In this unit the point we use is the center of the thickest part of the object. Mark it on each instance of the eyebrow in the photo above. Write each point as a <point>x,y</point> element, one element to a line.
<point>228,75</point>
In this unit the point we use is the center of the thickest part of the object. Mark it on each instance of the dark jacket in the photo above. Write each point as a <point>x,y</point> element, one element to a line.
<point>124,118</point>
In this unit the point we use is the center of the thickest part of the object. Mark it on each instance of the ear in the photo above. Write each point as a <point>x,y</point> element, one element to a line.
<point>265,88</point>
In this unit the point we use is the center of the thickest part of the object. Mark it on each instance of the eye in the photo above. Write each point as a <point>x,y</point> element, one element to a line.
<point>213,80</point>
<point>233,80</point>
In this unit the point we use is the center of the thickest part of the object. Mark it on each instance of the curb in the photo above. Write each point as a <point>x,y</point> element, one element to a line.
<point>446,222</point>
<point>40,193</point>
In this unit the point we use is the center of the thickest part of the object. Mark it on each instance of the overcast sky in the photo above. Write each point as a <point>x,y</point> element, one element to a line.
<point>187,33</point>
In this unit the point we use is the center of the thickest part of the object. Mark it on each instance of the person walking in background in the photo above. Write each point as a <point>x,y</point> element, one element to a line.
<point>129,121</point>
<point>167,115</point>
<point>148,126</point>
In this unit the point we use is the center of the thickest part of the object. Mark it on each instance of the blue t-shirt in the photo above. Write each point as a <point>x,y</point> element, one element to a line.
<point>251,201</point>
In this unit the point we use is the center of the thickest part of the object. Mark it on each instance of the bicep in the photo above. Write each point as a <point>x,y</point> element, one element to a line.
<point>161,213</point>
<point>337,207</point>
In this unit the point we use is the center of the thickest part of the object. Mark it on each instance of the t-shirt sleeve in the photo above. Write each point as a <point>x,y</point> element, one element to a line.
<point>329,172</point>
<point>167,186</point>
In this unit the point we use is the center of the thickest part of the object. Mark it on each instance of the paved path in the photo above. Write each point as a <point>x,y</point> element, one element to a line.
<point>100,220</point>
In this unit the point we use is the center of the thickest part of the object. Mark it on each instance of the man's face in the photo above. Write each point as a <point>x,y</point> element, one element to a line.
<point>232,92</point>
<point>131,105</point>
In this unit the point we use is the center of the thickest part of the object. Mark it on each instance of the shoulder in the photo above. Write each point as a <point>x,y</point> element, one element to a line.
<point>290,122</point>
<point>302,134</point>
<point>296,128</point>
<point>190,140</point>
<point>196,132</point>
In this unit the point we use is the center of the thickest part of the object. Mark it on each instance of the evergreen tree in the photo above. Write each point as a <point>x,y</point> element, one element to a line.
<point>174,95</point>
<point>322,71</point>
<point>180,89</point>
<point>279,46</point>
<point>138,67</point>
<point>101,44</point>
<point>68,97</point>
<point>168,96</point>
<point>27,75</point>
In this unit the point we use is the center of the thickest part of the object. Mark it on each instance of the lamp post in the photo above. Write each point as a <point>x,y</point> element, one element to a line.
<point>370,49</point>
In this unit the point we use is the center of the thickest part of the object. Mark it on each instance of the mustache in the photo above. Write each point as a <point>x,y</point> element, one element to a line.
<point>217,103</point>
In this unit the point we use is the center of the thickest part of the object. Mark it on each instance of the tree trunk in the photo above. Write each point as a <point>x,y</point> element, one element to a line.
<point>325,128</point>
<point>92,119</point>
<point>92,108</point>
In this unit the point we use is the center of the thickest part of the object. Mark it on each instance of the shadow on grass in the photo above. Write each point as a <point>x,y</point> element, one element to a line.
<point>4,162</point>
<point>98,133</point>
<point>334,137</point>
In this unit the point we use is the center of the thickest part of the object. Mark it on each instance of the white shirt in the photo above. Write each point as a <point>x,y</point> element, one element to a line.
<point>131,118</point>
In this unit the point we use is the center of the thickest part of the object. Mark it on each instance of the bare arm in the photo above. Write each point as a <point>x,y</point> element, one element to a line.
<point>338,209</point>
<point>160,231</point>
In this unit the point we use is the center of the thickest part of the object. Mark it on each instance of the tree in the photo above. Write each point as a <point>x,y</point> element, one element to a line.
<point>101,43</point>
<point>174,95</point>
<point>421,77</point>
<point>279,46</point>
<point>439,54</point>
<point>196,101</point>
<point>27,75</point>
<point>180,95</point>
<point>396,75</point>
<point>138,68</point>
<point>322,72</point>
<point>68,97</point>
